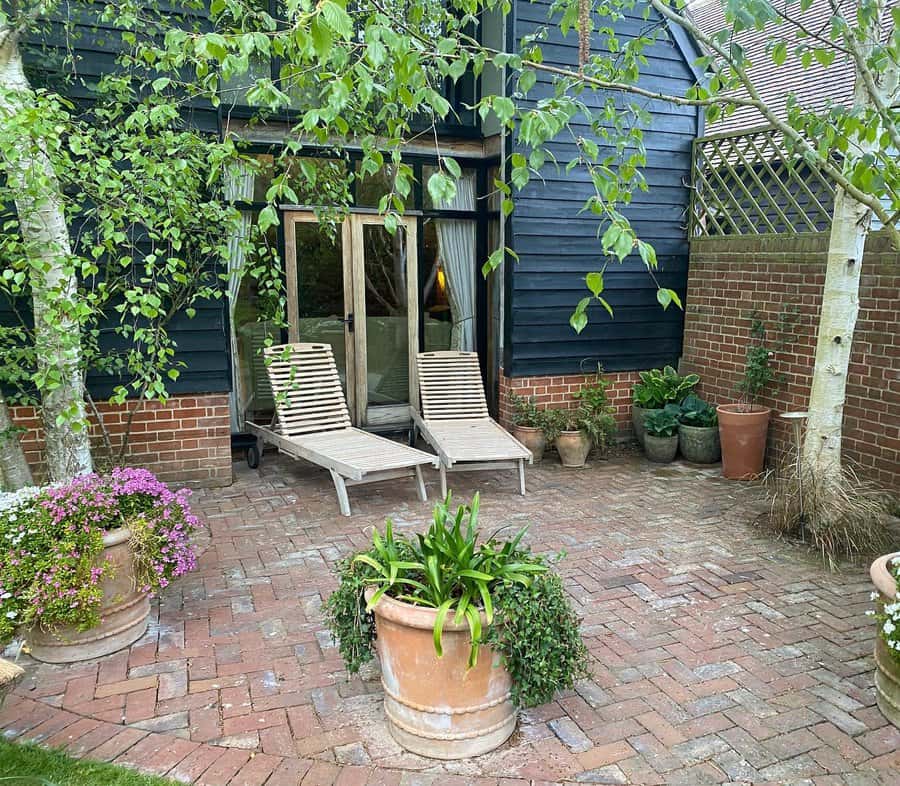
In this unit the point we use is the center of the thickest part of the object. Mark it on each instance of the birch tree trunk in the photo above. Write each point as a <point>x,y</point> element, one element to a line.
<point>52,278</point>
<point>14,469</point>
<point>840,298</point>
<point>840,307</point>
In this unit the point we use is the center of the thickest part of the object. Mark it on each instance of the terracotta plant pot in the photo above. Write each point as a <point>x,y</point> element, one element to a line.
<point>436,707</point>
<point>124,612</point>
<point>533,439</point>
<point>573,448</point>
<point>638,415</point>
<point>887,663</point>
<point>742,431</point>
<point>699,444</point>
<point>661,449</point>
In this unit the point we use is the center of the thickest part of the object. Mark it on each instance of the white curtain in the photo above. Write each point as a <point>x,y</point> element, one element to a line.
<point>456,249</point>
<point>238,188</point>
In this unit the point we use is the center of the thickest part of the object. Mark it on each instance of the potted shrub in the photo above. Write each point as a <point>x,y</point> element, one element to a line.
<point>698,431</point>
<point>528,425</point>
<point>81,560</point>
<point>661,434</point>
<point>597,414</point>
<point>656,389</point>
<point>466,630</point>
<point>885,573</point>
<point>744,426</point>
<point>569,429</point>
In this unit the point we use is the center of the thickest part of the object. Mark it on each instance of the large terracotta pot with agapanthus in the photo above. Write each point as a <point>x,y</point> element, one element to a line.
<point>82,560</point>
<point>466,632</point>
<point>885,574</point>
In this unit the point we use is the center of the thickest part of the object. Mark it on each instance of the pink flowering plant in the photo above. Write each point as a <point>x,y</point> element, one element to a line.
<point>51,545</point>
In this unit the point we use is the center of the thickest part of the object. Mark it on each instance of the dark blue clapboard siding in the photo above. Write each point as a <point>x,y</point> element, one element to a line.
<point>557,245</point>
<point>202,342</point>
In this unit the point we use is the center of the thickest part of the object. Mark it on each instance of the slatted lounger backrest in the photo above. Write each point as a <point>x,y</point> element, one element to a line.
<point>307,388</point>
<point>450,386</point>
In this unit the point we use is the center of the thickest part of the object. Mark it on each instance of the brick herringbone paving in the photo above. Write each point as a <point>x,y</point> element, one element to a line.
<point>718,654</point>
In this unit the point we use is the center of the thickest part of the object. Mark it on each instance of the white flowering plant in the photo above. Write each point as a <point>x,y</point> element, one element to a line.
<point>888,613</point>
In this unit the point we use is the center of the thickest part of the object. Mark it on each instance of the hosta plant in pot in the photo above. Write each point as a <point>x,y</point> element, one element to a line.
<point>885,574</point>
<point>466,631</point>
<point>80,560</point>
<point>656,389</point>
<point>698,431</point>
<point>744,426</point>
<point>528,425</point>
<point>661,437</point>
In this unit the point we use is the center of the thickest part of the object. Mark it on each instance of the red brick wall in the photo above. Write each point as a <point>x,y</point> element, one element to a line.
<point>555,392</point>
<point>186,440</point>
<point>731,277</point>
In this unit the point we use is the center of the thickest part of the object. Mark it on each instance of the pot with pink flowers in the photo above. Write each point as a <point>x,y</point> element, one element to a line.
<point>81,560</point>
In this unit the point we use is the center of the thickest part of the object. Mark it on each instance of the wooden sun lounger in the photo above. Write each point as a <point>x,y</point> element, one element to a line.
<point>313,423</point>
<point>455,419</point>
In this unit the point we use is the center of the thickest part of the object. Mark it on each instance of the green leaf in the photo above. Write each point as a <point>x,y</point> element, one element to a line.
<point>594,283</point>
<point>268,217</point>
<point>664,296</point>
<point>438,631</point>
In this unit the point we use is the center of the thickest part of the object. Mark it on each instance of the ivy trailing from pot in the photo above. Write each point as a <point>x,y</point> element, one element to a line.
<point>463,608</point>
<point>84,556</point>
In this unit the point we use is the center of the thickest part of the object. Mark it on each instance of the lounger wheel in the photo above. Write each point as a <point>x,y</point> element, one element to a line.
<point>253,457</point>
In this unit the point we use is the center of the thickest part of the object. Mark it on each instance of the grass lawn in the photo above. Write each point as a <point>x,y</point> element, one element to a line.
<point>29,765</point>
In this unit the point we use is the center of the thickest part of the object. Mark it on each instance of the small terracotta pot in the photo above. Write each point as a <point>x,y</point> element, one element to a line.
<point>123,611</point>
<point>887,663</point>
<point>638,415</point>
<point>742,431</point>
<point>699,444</point>
<point>436,707</point>
<point>660,449</point>
<point>573,448</point>
<point>533,439</point>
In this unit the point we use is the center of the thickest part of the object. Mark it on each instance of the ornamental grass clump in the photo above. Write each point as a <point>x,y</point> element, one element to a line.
<point>51,546</point>
<point>508,596</point>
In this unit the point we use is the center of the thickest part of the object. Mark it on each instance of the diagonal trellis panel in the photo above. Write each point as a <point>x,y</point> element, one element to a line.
<point>752,183</point>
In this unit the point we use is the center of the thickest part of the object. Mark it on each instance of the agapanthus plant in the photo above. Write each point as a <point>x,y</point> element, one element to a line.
<point>51,545</point>
<point>888,613</point>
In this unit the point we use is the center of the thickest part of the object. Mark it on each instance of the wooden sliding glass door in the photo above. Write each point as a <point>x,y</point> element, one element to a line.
<point>356,289</point>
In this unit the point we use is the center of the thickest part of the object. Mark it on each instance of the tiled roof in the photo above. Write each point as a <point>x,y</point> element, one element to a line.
<point>814,87</point>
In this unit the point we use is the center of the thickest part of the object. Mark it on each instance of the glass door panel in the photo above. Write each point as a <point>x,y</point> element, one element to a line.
<point>319,311</point>
<point>384,270</point>
<point>356,290</point>
<point>387,318</point>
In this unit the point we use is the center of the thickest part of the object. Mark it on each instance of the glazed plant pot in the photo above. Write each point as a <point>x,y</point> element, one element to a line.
<point>124,612</point>
<point>660,449</point>
<point>533,439</point>
<point>699,444</point>
<point>573,448</point>
<point>436,707</point>
<point>638,415</point>
<point>742,431</point>
<point>887,663</point>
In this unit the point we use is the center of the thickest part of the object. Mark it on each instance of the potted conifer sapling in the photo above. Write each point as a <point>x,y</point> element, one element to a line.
<point>744,426</point>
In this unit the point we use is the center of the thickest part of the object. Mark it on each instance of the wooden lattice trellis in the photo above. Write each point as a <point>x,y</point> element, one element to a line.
<point>751,183</point>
